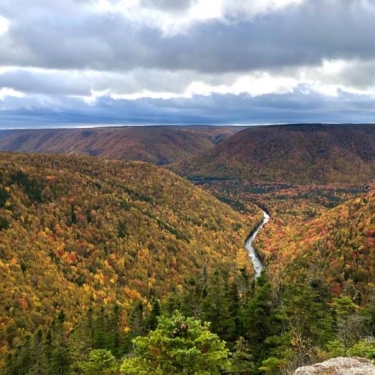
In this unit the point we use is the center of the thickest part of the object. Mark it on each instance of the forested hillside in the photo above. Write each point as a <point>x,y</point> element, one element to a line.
<point>154,144</point>
<point>292,154</point>
<point>335,250</point>
<point>80,233</point>
<point>107,266</point>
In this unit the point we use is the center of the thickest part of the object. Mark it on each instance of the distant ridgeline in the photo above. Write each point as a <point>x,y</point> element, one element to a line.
<point>297,154</point>
<point>154,144</point>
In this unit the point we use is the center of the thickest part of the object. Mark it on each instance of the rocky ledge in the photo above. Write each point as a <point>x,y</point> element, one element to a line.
<point>339,366</point>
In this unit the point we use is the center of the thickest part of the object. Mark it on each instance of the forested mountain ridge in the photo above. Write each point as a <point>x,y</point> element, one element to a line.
<point>79,231</point>
<point>297,154</point>
<point>154,144</point>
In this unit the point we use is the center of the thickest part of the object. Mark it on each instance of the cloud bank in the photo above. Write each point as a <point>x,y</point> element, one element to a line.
<point>186,61</point>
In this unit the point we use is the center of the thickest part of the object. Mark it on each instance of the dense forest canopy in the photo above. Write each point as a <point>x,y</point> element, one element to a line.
<point>106,265</point>
<point>80,232</point>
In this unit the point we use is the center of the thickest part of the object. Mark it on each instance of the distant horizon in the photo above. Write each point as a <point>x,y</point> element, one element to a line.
<point>108,126</point>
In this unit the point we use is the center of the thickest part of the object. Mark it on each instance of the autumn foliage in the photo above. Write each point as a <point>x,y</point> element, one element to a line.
<point>77,232</point>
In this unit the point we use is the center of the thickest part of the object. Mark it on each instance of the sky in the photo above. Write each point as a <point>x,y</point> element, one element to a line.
<point>77,63</point>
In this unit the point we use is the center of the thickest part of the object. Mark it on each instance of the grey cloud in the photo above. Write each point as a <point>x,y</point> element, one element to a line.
<point>107,51</point>
<point>358,75</point>
<point>81,83</point>
<point>168,5</point>
<point>52,84</point>
<point>74,38</point>
<point>216,109</point>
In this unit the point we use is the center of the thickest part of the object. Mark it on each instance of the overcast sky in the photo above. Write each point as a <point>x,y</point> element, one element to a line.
<point>95,62</point>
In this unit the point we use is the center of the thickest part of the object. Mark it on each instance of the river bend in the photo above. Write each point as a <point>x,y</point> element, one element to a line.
<point>257,263</point>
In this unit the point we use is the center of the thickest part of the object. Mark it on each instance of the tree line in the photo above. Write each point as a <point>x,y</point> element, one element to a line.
<point>217,325</point>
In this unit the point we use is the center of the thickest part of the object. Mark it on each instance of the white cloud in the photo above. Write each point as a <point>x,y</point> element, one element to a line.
<point>4,25</point>
<point>330,78</point>
<point>5,91</point>
<point>255,84</point>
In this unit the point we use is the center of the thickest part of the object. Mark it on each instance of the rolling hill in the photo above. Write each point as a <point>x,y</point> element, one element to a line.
<point>77,231</point>
<point>297,154</point>
<point>154,144</point>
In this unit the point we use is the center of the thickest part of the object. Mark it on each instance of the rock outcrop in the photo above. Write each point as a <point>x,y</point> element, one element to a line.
<point>339,366</point>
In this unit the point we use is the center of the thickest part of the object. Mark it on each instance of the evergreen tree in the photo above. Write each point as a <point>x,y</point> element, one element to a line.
<point>191,301</point>
<point>20,362</point>
<point>60,356</point>
<point>257,320</point>
<point>151,321</point>
<point>179,346</point>
<point>100,362</point>
<point>217,307</point>
<point>300,324</point>
<point>136,319</point>
<point>37,354</point>
<point>242,358</point>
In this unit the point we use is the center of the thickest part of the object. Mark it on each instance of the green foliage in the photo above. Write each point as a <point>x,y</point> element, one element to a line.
<point>101,362</point>
<point>151,321</point>
<point>335,348</point>
<point>257,317</point>
<point>364,349</point>
<point>271,365</point>
<point>344,306</point>
<point>242,361</point>
<point>349,324</point>
<point>179,345</point>
<point>4,196</point>
<point>4,223</point>
<point>299,325</point>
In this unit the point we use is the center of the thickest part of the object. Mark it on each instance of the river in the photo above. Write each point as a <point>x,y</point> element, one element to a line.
<point>257,263</point>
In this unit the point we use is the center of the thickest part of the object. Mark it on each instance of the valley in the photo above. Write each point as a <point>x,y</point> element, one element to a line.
<point>93,249</point>
<point>187,187</point>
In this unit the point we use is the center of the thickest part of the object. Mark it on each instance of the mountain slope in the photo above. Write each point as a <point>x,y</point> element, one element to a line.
<point>154,144</point>
<point>335,251</point>
<point>290,154</point>
<point>77,231</point>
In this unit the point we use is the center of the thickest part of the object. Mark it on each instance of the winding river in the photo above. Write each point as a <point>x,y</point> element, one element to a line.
<point>257,263</point>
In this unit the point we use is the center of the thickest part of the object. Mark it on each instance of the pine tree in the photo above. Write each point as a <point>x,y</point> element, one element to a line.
<point>60,356</point>
<point>100,362</point>
<point>257,319</point>
<point>217,307</point>
<point>179,346</point>
<point>151,321</point>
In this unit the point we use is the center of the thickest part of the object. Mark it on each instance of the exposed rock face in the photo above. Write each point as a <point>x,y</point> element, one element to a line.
<point>339,366</point>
